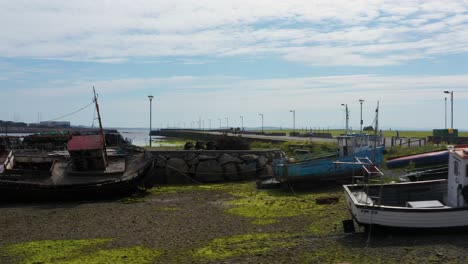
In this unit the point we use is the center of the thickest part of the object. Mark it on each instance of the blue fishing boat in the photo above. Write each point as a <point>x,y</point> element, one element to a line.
<point>323,167</point>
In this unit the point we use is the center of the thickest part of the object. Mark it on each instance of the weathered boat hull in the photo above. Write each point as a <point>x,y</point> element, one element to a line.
<point>324,169</point>
<point>134,178</point>
<point>405,217</point>
<point>423,159</point>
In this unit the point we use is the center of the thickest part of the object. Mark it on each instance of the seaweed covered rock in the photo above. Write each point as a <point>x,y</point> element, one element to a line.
<point>230,172</point>
<point>209,171</point>
<point>226,158</point>
<point>176,171</point>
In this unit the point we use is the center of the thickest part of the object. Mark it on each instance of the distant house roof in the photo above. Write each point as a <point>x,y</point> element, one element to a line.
<point>86,142</point>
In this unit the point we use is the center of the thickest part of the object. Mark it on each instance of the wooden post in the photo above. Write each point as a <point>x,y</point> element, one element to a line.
<point>409,142</point>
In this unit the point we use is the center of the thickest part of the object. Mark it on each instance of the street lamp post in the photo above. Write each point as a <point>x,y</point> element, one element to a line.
<point>347,117</point>
<point>227,122</point>
<point>294,120</point>
<point>242,123</point>
<point>445,112</point>
<point>219,119</point>
<point>150,97</point>
<point>362,122</point>
<point>451,107</point>
<point>262,121</point>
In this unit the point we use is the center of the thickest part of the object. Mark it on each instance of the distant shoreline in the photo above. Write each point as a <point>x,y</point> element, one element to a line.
<point>9,130</point>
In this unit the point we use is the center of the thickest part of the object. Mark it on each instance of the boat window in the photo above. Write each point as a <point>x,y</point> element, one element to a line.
<point>455,168</point>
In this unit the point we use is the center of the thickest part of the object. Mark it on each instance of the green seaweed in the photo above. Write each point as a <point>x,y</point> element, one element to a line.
<point>77,251</point>
<point>239,245</point>
<point>270,206</point>
<point>168,209</point>
<point>116,256</point>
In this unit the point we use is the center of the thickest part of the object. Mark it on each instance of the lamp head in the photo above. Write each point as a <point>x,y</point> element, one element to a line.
<point>446,92</point>
<point>361,101</point>
<point>150,97</point>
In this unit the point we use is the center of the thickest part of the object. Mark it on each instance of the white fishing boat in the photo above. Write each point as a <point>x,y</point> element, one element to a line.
<point>439,203</point>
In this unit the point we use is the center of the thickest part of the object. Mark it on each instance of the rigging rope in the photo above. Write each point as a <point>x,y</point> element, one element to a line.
<point>81,109</point>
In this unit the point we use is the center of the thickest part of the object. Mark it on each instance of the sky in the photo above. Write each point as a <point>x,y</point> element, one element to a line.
<point>216,61</point>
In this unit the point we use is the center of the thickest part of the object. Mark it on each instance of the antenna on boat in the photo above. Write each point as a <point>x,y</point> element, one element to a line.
<point>375,132</point>
<point>101,130</point>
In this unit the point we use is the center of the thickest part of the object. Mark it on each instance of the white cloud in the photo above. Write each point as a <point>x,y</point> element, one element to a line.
<point>328,32</point>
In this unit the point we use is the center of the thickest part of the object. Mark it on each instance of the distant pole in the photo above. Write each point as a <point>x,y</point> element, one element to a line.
<point>219,123</point>
<point>361,101</point>
<point>262,121</point>
<point>227,122</point>
<point>151,110</point>
<point>294,120</point>
<point>446,112</point>
<point>347,117</point>
<point>451,107</point>
<point>242,123</point>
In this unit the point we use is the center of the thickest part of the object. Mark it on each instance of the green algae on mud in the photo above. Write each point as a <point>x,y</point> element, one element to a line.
<point>78,251</point>
<point>265,207</point>
<point>240,245</point>
<point>168,209</point>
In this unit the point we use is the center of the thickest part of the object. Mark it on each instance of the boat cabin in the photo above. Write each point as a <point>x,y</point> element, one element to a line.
<point>87,153</point>
<point>352,144</point>
<point>458,177</point>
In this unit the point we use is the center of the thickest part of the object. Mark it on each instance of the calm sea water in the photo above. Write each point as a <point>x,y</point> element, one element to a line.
<point>140,137</point>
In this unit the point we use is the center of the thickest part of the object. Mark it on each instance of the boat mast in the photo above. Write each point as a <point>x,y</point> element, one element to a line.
<point>101,130</point>
<point>376,130</point>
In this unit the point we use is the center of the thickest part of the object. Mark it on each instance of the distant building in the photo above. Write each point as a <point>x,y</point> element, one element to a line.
<point>51,124</point>
<point>12,124</point>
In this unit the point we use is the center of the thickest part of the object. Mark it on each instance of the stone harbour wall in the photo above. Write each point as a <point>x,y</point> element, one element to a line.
<point>204,166</point>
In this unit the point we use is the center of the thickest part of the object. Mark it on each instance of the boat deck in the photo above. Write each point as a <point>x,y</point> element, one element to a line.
<point>400,195</point>
<point>120,168</point>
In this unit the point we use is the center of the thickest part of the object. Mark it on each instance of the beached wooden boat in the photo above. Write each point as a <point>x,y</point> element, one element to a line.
<point>324,167</point>
<point>34,173</point>
<point>425,204</point>
<point>86,166</point>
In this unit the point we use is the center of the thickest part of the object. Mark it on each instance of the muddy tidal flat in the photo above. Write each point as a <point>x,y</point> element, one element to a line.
<point>221,223</point>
